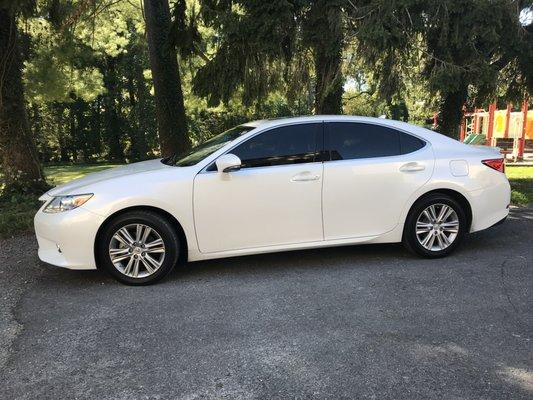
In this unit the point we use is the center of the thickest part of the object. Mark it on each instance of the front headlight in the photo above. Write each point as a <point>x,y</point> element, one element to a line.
<point>66,203</point>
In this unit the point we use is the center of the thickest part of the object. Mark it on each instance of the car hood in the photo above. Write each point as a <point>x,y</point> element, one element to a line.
<point>77,186</point>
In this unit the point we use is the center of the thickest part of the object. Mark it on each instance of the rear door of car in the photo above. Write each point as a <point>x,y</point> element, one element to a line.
<point>371,173</point>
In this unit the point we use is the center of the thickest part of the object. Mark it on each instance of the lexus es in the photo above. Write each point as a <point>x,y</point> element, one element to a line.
<point>276,185</point>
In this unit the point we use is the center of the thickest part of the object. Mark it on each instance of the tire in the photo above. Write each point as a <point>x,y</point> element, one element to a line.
<point>431,244</point>
<point>144,244</point>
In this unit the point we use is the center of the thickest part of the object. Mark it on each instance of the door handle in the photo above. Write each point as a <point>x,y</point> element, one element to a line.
<point>412,167</point>
<point>305,177</point>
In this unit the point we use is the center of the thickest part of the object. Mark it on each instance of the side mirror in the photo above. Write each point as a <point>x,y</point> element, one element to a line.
<point>228,163</point>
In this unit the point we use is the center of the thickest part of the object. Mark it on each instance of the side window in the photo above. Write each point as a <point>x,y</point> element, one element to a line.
<point>350,140</point>
<point>410,143</point>
<point>284,145</point>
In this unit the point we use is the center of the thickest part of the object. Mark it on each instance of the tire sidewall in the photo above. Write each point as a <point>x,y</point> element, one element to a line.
<point>410,238</point>
<point>154,221</point>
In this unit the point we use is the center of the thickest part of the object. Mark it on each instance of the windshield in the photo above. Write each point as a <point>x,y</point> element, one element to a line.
<point>198,153</point>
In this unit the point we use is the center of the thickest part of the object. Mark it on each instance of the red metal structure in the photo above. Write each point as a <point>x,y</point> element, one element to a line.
<point>490,138</point>
<point>501,128</point>
<point>507,120</point>
<point>522,139</point>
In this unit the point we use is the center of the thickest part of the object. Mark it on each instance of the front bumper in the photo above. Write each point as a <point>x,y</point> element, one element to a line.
<point>67,239</point>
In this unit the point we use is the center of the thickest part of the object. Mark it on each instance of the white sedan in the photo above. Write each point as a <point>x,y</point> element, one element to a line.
<point>276,185</point>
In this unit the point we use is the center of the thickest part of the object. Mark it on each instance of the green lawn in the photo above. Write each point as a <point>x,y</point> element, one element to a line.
<point>17,215</point>
<point>58,174</point>
<point>521,179</point>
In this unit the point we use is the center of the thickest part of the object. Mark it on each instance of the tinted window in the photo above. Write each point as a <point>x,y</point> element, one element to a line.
<point>410,143</point>
<point>358,140</point>
<point>285,145</point>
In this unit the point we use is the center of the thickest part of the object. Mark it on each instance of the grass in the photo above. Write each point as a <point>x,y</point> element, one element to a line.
<point>16,214</point>
<point>521,179</point>
<point>59,174</point>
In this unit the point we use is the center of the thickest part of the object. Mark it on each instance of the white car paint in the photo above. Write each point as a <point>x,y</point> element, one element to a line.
<point>276,208</point>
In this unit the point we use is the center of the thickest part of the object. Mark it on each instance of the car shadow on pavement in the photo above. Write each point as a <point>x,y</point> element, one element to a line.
<point>326,259</point>
<point>297,260</point>
<point>288,261</point>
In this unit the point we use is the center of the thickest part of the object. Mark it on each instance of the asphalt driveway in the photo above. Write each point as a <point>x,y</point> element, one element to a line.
<point>353,322</point>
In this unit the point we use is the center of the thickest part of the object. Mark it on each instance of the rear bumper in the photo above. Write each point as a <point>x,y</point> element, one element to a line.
<point>67,239</point>
<point>490,205</point>
<point>501,221</point>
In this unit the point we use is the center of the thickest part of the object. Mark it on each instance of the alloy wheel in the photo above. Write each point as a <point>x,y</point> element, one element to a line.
<point>137,250</point>
<point>437,227</point>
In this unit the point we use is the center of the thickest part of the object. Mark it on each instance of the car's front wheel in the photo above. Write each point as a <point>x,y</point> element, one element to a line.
<point>435,226</point>
<point>138,247</point>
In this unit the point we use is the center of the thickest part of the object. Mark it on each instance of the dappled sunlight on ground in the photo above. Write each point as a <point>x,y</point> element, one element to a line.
<point>518,376</point>
<point>56,175</point>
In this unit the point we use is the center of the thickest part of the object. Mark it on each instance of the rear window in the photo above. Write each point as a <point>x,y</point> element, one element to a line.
<point>409,144</point>
<point>354,140</point>
<point>348,141</point>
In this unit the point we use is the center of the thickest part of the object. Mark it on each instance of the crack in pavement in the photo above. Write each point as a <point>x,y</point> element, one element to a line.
<point>15,282</point>
<point>507,292</point>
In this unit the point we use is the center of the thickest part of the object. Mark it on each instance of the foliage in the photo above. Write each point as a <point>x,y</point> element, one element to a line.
<point>469,50</point>
<point>521,179</point>
<point>16,214</point>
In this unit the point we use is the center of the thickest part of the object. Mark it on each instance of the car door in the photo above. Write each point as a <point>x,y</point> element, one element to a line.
<point>371,173</point>
<point>274,199</point>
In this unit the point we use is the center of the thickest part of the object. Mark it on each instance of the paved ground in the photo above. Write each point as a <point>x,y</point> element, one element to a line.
<point>351,322</point>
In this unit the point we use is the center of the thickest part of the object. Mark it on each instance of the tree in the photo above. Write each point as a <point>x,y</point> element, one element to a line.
<point>261,45</point>
<point>170,109</point>
<point>324,33</point>
<point>463,47</point>
<point>21,170</point>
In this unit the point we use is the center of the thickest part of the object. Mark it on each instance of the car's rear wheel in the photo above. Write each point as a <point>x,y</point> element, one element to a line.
<point>138,247</point>
<point>435,226</point>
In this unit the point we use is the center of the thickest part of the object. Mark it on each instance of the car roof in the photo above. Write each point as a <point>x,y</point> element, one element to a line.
<point>424,133</point>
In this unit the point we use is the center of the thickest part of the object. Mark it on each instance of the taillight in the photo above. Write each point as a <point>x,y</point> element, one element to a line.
<point>496,163</point>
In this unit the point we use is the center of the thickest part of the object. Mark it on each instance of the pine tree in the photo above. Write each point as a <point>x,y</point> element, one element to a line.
<point>170,109</point>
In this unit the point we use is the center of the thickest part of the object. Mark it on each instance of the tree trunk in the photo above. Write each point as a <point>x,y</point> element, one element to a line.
<point>449,118</point>
<point>113,130</point>
<point>21,170</point>
<point>139,145</point>
<point>170,110</point>
<point>327,47</point>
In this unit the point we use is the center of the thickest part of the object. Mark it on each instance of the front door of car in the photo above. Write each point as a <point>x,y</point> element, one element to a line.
<point>273,199</point>
<point>372,172</point>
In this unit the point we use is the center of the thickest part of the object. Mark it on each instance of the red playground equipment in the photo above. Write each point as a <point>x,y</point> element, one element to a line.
<point>512,131</point>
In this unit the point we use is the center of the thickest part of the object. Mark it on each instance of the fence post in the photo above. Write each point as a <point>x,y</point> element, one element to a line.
<point>476,121</point>
<point>522,139</point>
<point>490,130</point>
<point>462,132</point>
<point>507,120</point>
